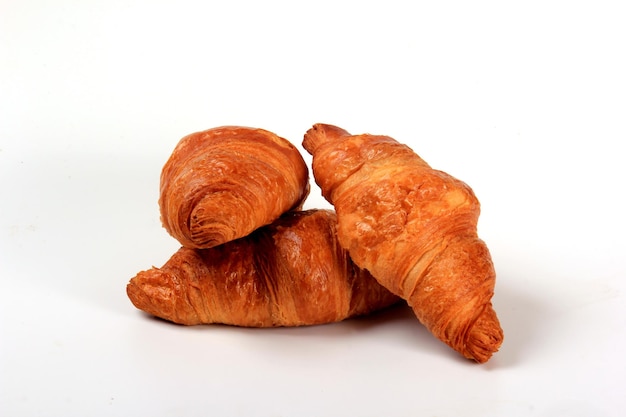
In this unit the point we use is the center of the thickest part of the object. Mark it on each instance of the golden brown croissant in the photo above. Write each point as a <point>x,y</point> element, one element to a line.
<point>223,183</point>
<point>414,229</point>
<point>289,273</point>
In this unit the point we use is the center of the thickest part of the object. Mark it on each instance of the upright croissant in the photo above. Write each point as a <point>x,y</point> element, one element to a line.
<point>289,273</point>
<point>414,229</point>
<point>223,183</point>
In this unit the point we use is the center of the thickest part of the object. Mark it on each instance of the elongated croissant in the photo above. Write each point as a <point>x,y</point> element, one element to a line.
<point>223,183</point>
<point>289,273</point>
<point>414,229</point>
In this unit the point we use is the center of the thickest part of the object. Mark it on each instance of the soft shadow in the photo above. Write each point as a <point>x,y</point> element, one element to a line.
<point>522,315</point>
<point>395,326</point>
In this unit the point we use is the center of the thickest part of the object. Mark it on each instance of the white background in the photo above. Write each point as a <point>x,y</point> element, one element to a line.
<point>526,102</point>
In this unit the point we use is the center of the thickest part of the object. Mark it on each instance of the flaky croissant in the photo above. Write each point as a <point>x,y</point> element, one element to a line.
<point>414,229</point>
<point>289,273</point>
<point>221,184</point>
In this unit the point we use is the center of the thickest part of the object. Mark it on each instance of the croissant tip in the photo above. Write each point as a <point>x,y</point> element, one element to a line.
<point>149,291</point>
<point>321,133</point>
<point>485,338</point>
<point>136,295</point>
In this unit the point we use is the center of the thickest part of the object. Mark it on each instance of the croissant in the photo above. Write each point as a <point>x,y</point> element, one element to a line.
<point>289,273</point>
<point>414,229</point>
<point>221,184</point>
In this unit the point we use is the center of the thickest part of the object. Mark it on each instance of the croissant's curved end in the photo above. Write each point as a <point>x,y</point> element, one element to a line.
<point>485,337</point>
<point>222,183</point>
<point>152,292</point>
<point>208,227</point>
<point>321,133</point>
<point>137,296</point>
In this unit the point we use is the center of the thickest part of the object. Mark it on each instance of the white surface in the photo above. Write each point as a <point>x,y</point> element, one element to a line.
<point>524,103</point>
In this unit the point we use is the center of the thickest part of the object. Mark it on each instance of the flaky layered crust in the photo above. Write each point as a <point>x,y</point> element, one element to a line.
<point>414,229</point>
<point>292,272</point>
<point>221,184</point>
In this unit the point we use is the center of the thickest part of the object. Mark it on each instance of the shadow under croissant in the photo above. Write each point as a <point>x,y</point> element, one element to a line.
<point>523,314</point>
<point>395,325</point>
<point>393,313</point>
<point>523,317</point>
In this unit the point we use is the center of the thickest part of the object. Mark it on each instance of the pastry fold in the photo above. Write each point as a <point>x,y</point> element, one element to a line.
<point>414,229</point>
<point>221,184</point>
